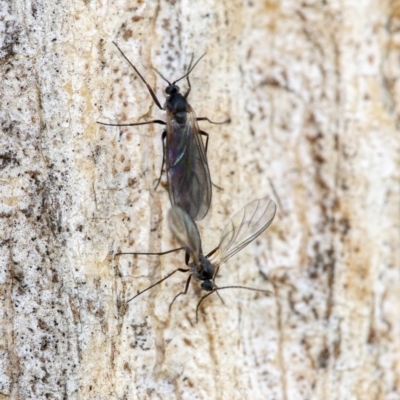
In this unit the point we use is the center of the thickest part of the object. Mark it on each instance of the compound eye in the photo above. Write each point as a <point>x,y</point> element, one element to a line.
<point>171,89</point>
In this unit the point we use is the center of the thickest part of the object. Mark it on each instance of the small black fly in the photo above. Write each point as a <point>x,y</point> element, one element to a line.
<point>184,153</point>
<point>242,229</point>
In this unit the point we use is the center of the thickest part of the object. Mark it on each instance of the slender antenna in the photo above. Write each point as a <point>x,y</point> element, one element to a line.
<point>162,76</point>
<point>190,70</point>
<point>191,61</point>
<point>154,121</point>
<point>268,292</point>
<point>127,59</point>
<point>155,284</point>
<point>151,91</point>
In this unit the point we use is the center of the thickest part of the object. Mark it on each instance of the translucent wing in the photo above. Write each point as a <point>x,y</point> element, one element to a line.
<point>185,231</point>
<point>245,226</point>
<point>189,182</point>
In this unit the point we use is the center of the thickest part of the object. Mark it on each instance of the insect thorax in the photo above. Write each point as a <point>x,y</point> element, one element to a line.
<point>205,274</point>
<point>178,106</point>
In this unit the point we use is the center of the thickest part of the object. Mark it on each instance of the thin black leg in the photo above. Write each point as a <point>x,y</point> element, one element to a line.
<point>157,283</point>
<point>206,148</point>
<point>212,252</point>
<point>187,257</point>
<point>184,292</point>
<point>151,254</point>
<point>212,122</point>
<point>206,135</point>
<point>163,136</point>
<point>154,121</point>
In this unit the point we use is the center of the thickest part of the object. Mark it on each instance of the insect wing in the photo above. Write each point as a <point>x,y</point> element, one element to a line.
<point>185,231</point>
<point>201,185</point>
<point>189,182</point>
<point>245,226</point>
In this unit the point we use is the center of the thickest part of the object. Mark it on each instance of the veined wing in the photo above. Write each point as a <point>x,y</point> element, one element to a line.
<point>185,231</point>
<point>245,226</point>
<point>189,182</point>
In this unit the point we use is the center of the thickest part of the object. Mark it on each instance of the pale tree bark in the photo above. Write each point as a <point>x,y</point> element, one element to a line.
<point>312,90</point>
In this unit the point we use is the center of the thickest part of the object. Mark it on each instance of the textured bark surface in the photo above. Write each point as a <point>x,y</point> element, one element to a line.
<point>312,89</point>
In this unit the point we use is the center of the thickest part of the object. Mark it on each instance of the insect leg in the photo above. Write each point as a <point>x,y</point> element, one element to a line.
<point>152,254</point>
<point>163,136</point>
<point>212,122</point>
<point>206,148</point>
<point>206,135</point>
<point>184,292</point>
<point>187,258</point>
<point>212,252</point>
<point>154,121</point>
<point>155,284</point>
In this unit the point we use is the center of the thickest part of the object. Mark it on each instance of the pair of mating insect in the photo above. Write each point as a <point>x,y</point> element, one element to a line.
<point>189,187</point>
